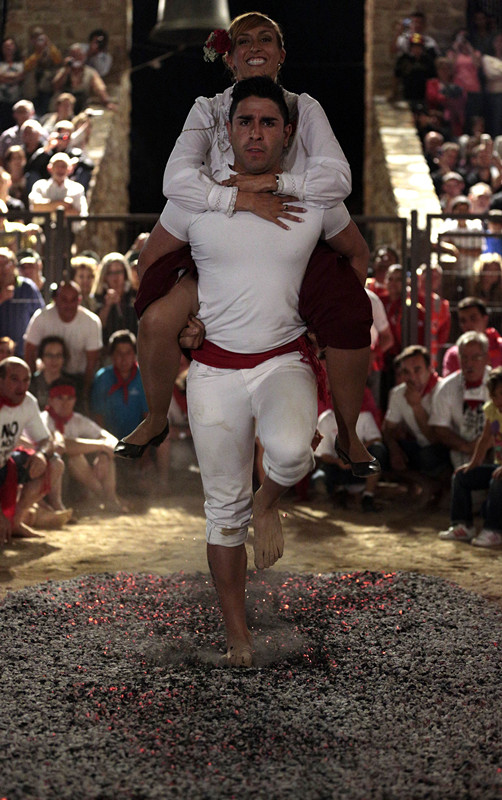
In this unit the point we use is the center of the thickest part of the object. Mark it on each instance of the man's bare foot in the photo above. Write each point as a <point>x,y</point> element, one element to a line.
<point>268,539</point>
<point>239,652</point>
<point>49,518</point>
<point>23,531</point>
<point>150,427</point>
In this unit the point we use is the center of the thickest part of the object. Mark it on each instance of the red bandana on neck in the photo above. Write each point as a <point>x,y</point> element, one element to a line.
<point>4,401</point>
<point>473,384</point>
<point>123,383</point>
<point>60,421</point>
<point>431,383</point>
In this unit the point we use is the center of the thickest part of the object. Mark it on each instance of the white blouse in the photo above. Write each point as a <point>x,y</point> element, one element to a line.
<point>314,166</point>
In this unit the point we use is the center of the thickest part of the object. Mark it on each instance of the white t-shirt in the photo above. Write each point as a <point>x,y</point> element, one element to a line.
<point>250,272</point>
<point>78,427</point>
<point>399,410</point>
<point>83,333</point>
<point>366,429</point>
<point>16,419</point>
<point>48,189</point>
<point>380,321</point>
<point>314,166</point>
<point>461,409</point>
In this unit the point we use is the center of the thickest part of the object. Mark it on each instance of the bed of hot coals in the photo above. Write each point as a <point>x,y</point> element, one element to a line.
<point>366,685</point>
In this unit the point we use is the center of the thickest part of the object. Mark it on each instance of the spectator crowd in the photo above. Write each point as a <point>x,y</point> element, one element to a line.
<point>70,386</point>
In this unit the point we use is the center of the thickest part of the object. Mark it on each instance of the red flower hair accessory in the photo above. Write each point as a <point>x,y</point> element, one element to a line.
<point>217,44</point>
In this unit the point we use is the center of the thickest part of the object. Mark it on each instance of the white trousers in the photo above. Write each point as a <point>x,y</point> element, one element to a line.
<point>227,409</point>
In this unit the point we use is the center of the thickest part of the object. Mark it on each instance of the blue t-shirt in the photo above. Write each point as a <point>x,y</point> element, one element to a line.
<point>119,418</point>
<point>17,312</point>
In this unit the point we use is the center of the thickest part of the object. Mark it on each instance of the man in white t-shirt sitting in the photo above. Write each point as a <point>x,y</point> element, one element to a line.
<point>457,408</point>
<point>58,190</point>
<point>80,329</point>
<point>83,437</point>
<point>412,443</point>
<point>19,412</point>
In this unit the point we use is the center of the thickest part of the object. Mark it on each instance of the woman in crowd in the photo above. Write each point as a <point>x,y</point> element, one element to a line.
<point>53,354</point>
<point>11,78</point>
<point>83,272</point>
<point>114,296</point>
<point>315,170</point>
<point>76,77</point>
<point>15,162</point>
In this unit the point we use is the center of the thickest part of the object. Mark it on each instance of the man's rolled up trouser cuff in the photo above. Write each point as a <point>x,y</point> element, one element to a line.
<point>226,537</point>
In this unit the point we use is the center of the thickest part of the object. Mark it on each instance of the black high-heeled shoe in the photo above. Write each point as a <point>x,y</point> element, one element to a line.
<point>129,450</point>
<point>361,469</point>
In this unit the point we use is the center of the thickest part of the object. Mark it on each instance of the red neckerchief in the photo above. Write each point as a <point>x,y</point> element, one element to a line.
<point>473,384</point>
<point>123,383</point>
<point>8,490</point>
<point>60,421</point>
<point>431,383</point>
<point>4,401</point>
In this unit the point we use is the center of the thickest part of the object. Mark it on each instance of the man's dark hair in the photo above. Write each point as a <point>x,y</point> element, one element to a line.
<point>410,352</point>
<point>52,340</point>
<point>121,337</point>
<point>472,302</point>
<point>259,87</point>
<point>494,379</point>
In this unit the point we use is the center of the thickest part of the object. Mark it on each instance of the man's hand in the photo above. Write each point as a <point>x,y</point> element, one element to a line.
<point>37,464</point>
<point>111,297</point>
<point>5,530</point>
<point>267,182</point>
<point>192,336</point>
<point>270,207</point>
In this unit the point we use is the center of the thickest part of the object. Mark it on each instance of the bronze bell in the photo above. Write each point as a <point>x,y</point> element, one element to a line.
<point>188,22</point>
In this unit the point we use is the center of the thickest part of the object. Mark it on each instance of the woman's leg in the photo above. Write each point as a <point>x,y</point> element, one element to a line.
<point>159,354</point>
<point>347,373</point>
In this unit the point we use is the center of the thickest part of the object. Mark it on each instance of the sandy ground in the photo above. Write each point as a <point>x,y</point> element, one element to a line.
<point>167,535</point>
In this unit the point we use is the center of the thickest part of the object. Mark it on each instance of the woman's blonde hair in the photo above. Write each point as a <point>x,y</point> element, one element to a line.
<point>486,258</point>
<point>106,262</point>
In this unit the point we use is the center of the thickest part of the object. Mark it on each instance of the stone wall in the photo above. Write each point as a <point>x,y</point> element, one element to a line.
<point>68,21</point>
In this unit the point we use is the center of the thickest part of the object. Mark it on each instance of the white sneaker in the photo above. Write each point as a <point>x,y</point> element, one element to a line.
<point>487,538</point>
<point>459,532</point>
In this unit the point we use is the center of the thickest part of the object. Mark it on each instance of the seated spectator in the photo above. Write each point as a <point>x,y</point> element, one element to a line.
<point>381,341</point>
<point>432,144</point>
<point>58,190</point>
<point>40,68</point>
<point>7,347</point>
<point>79,328</point>
<point>480,196</point>
<point>478,474</point>
<point>339,475</point>
<point>30,468</point>
<point>83,437</point>
<point>415,24</point>
<point>53,355</point>
<point>84,82</point>
<point>457,409</point>
<point>412,444</point>
<point>83,272</point>
<point>492,71</point>
<point>450,187</point>
<point>34,139</point>
<point>487,279</point>
<point>65,112</point>
<point>447,162</point>
<point>480,32</point>
<point>381,259</point>
<point>11,79</point>
<point>466,65</point>
<point>473,316</point>
<point>493,243</point>
<point>98,56</point>
<point>11,203</point>
<point>468,247</point>
<point>114,296</point>
<point>21,111</point>
<point>30,265</point>
<point>485,166</point>
<point>440,316</point>
<point>60,141</point>
<point>414,68</point>
<point>15,162</point>
<point>19,299</point>
<point>446,97</point>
